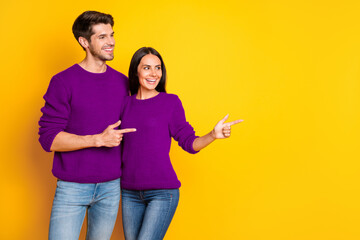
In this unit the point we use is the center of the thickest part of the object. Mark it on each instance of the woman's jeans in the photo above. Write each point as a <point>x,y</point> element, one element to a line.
<point>147,214</point>
<point>72,200</point>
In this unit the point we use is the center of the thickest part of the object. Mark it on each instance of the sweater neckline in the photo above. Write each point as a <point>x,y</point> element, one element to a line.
<point>92,73</point>
<point>148,99</point>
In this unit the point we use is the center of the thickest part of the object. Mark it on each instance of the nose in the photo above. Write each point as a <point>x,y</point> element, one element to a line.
<point>111,41</point>
<point>153,72</point>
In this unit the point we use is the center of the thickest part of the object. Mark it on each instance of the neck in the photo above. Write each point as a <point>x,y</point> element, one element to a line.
<point>143,94</point>
<point>93,65</point>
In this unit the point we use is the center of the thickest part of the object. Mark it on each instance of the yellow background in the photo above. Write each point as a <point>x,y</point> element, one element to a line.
<point>290,69</point>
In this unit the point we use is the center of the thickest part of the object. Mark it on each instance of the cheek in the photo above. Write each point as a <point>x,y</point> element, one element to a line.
<point>140,75</point>
<point>139,72</point>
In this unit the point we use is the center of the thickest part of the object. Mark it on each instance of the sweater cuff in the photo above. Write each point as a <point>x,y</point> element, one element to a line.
<point>47,141</point>
<point>190,148</point>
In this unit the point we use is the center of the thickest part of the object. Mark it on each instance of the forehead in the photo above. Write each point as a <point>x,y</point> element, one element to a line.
<point>102,28</point>
<point>150,59</point>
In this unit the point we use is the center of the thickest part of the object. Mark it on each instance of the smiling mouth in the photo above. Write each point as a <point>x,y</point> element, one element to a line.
<point>108,49</point>
<point>151,80</point>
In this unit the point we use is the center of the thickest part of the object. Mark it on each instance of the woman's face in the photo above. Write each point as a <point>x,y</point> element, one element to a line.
<point>149,72</point>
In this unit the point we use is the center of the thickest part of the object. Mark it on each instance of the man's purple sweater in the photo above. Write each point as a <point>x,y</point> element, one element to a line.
<point>83,103</point>
<point>146,162</point>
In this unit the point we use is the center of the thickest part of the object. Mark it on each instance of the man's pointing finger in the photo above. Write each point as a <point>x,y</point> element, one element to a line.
<point>127,130</point>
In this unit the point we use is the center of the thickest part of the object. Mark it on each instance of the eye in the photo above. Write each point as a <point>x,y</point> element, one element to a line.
<point>158,68</point>
<point>146,68</point>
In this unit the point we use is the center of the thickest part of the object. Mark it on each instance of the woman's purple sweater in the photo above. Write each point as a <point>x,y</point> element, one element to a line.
<point>145,157</point>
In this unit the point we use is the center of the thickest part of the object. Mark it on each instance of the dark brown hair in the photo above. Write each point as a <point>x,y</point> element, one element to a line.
<point>135,61</point>
<point>83,24</point>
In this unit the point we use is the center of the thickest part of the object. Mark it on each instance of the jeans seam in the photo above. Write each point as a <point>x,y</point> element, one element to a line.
<point>168,210</point>
<point>94,195</point>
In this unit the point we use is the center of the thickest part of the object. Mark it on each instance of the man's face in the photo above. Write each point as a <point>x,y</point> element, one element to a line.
<point>102,42</point>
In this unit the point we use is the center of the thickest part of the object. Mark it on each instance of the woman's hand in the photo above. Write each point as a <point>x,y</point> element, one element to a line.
<point>222,129</point>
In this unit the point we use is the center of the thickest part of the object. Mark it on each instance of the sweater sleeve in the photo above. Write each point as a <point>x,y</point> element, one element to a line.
<point>55,113</point>
<point>180,129</point>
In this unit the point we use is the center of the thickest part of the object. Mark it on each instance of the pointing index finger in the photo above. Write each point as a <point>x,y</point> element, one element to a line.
<point>127,130</point>
<point>235,122</point>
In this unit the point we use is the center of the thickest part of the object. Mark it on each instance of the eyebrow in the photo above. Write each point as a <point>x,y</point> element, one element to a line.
<point>148,65</point>
<point>104,34</point>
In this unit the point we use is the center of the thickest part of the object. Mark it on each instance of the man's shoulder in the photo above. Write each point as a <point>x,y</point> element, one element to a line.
<point>62,78</point>
<point>67,72</point>
<point>116,73</point>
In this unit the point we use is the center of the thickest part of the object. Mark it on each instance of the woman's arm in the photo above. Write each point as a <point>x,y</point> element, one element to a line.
<point>220,131</point>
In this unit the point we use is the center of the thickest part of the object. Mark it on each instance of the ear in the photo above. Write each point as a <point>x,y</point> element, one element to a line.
<point>83,42</point>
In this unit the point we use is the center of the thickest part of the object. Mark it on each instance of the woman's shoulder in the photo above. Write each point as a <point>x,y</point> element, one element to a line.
<point>171,97</point>
<point>172,101</point>
<point>127,99</point>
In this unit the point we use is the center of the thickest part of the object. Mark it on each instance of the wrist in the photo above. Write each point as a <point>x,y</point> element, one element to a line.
<point>212,134</point>
<point>96,140</point>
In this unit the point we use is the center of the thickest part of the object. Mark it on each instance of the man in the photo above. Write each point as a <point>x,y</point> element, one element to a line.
<point>80,103</point>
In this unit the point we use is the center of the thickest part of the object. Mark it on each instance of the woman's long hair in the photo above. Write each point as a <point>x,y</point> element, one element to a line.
<point>135,61</point>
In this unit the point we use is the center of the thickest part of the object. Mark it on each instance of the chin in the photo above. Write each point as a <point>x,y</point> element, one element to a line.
<point>107,58</point>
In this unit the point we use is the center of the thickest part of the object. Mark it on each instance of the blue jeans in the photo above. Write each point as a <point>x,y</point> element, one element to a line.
<point>147,214</point>
<point>72,200</point>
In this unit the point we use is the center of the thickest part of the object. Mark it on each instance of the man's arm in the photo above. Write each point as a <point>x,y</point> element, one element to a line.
<point>110,137</point>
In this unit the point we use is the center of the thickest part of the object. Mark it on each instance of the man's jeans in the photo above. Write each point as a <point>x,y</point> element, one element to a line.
<point>72,200</point>
<point>147,214</point>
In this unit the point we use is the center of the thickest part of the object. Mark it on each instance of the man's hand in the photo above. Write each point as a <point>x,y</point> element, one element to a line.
<point>112,137</point>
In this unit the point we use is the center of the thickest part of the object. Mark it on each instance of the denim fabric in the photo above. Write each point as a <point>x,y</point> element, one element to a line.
<point>72,200</point>
<point>147,214</point>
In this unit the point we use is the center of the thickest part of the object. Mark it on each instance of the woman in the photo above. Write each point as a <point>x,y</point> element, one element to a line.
<point>150,188</point>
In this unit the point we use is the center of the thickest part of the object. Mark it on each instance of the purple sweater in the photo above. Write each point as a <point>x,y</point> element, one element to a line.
<point>146,162</point>
<point>83,103</point>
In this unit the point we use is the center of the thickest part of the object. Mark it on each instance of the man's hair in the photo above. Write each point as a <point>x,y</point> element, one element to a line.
<point>83,24</point>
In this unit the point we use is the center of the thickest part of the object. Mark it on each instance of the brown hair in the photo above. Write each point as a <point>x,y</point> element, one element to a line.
<point>82,26</point>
